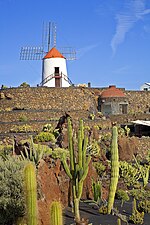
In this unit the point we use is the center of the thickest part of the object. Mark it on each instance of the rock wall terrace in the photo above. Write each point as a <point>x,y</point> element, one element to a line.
<point>65,99</point>
<point>41,105</point>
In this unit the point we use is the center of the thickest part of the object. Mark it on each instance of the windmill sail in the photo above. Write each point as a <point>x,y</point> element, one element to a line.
<point>48,42</point>
<point>31,53</point>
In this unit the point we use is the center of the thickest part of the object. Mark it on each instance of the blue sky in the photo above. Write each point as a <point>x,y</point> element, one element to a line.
<point>111,38</point>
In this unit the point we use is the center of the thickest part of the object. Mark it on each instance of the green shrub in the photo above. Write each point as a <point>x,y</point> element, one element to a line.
<point>8,109</point>
<point>24,84</point>
<point>23,118</point>
<point>45,137</point>
<point>47,128</point>
<point>123,131</point>
<point>4,87</point>
<point>129,173</point>
<point>58,152</point>
<point>21,129</point>
<point>144,206</point>
<point>122,195</point>
<point>46,150</point>
<point>92,116</point>
<point>100,168</point>
<point>56,132</point>
<point>103,209</point>
<point>11,190</point>
<point>136,217</point>
<point>140,194</point>
<point>5,150</point>
<point>94,149</point>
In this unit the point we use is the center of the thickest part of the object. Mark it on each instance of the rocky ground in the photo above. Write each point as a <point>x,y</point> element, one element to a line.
<point>96,218</point>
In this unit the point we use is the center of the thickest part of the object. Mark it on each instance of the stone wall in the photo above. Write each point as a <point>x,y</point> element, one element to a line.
<point>65,99</point>
<point>42,105</point>
<point>139,101</point>
<point>47,98</point>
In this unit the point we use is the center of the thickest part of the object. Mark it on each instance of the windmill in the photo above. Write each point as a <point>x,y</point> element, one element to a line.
<point>54,69</point>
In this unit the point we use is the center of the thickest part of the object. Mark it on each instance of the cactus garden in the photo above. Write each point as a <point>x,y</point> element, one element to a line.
<point>72,174</point>
<point>75,134</point>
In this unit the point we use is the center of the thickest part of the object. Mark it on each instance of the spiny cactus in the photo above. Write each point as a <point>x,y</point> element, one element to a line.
<point>129,173</point>
<point>56,213</point>
<point>97,190</point>
<point>31,194</point>
<point>79,164</point>
<point>144,171</point>
<point>114,169</point>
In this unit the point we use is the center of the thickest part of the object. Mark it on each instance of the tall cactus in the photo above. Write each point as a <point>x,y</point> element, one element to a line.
<point>79,164</point>
<point>118,221</point>
<point>56,213</point>
<point>114,169</point>
<point>31,194</point>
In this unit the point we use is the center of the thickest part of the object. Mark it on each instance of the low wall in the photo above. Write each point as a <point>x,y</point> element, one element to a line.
<point>44,103</point>
<point>47,98</point>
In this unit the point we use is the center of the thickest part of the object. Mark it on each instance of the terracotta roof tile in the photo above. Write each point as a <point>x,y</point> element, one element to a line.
<point>112,91</point>
<point>53,53</point>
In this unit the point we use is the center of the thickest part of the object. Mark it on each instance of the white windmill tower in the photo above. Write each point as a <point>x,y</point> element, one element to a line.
<point>54,68</point>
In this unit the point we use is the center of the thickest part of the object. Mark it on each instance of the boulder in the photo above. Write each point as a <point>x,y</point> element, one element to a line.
<point>127,148</point>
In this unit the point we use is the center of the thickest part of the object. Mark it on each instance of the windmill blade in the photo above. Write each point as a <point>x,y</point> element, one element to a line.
<point>31,53</point>
<point>45,35</point>
<point>68,52</point>
<point>49,36</point>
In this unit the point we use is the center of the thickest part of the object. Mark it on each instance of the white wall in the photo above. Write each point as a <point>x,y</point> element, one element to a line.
<point>49,65</point>
<point>144,86</point>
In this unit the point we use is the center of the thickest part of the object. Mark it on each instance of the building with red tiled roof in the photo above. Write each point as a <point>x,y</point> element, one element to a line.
<point>113,101</point>
<point>112,91</point>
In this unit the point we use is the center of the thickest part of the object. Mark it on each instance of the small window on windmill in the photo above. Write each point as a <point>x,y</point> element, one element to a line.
<point>56,71</point>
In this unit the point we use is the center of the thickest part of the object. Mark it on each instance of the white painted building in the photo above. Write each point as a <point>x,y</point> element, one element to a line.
<point>54,71</point>
<point>145,87</point>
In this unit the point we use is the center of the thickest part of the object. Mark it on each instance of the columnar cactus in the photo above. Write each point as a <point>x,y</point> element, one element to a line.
<point>97,191</point>
<point>31,194</point>
<point>114,169</point>
<point>56,213</point>
<point>79,164</point>
<point>118,221</point>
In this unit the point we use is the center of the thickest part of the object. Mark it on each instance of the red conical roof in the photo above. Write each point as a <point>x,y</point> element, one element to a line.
<point>53,53</point>
<point>112,91</point>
